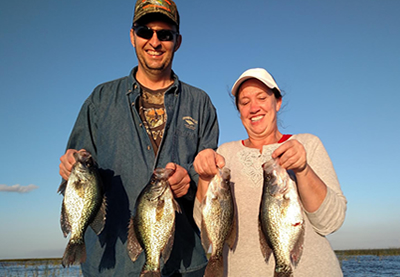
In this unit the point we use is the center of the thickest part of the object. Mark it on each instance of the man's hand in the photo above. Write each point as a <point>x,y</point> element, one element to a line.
<point>67,161</point>
<point>179,181</point>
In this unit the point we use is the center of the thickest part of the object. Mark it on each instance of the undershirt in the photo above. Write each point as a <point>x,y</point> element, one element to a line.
<point>152,112</point>
<point>283,139</point>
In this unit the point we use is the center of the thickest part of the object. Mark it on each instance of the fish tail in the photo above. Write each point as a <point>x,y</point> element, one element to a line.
<point>147,273</point>
<point>283,271</point>
<point>215,267</point>
<point>75,253</point>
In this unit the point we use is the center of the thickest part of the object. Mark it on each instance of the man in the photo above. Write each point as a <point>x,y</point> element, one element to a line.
<point>135,124</point>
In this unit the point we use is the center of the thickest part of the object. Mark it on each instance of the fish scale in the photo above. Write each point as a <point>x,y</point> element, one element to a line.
<point>152,226</point>
<point>281,220</point>
<point>83,204</point>
<point>218,221</point>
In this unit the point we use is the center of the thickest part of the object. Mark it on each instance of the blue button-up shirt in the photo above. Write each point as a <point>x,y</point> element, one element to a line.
<point>109,126</point>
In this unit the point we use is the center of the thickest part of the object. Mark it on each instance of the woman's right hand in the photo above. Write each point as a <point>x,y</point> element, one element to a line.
<point>207,163</point>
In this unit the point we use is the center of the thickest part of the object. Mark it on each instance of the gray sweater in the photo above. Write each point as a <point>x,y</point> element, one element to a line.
<point>318,258</point>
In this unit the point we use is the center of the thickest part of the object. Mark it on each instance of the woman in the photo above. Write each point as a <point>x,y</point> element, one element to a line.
<point>258,99</point>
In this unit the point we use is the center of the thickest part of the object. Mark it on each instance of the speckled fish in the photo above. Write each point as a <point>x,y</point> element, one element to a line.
<point>281,219</point>
<point>152,226</point>
<point>84,204</point>
<point>218,221</point>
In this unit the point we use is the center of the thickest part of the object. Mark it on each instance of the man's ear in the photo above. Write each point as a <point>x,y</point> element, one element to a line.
<point>178,42</point>
<point>132,34</point>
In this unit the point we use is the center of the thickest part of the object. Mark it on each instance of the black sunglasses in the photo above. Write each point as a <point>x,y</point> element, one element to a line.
<point>147,33</point>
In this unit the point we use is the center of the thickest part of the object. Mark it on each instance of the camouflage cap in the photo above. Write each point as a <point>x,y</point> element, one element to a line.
<point>165,7</point>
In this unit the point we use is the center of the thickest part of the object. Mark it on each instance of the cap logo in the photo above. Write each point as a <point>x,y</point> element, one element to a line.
<point>157,3</point>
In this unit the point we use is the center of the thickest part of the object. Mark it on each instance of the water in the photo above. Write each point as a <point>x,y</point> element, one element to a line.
<point>371,266</point>
<point>37,268</point>
<point>352,266</point>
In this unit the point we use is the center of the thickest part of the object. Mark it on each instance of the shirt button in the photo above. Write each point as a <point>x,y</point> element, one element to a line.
<point>148,148</point>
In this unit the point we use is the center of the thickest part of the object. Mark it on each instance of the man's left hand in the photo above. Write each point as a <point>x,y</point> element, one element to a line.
<point>179,180</point>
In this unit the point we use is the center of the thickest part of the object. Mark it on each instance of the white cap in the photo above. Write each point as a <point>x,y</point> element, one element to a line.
<point>257,73</point>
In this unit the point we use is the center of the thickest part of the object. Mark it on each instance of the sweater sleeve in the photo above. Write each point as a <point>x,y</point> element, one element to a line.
<point>331,214</point>
<point>197,213</point>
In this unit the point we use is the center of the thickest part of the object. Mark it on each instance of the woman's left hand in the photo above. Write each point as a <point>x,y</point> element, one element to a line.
<point>291,155</point>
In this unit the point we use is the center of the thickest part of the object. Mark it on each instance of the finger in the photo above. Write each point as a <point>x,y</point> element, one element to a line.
<point>279,151</point>
<point>66,162</point>
<point>182,191</point>
<point>220,161</point>
<point>172,166</point>
<point>63,173</point>
<point>179,175</point>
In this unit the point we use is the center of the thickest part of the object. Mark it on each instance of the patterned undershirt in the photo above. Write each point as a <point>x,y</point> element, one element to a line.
<point>153,114</point>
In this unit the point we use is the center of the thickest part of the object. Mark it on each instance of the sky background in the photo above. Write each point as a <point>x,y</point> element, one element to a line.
<point>337,61</point>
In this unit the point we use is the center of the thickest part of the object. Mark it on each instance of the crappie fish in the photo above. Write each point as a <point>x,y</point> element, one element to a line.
<point>84,204</point>
<point>218,224</point>
<point>281,219</point>
<point>152,227</point>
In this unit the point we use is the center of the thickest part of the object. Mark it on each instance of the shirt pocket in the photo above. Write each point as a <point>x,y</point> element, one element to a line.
<point>185,144</point>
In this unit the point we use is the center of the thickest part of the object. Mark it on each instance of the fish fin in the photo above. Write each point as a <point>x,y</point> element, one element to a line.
<point>215,267</point>
<point>166,252</point>
<point>204,237</point>
<point>265,248</point>
<point>62,187</point>
<point>75,253</point>
<point>278,189</point>
<point>65,226</point>
<point>297,250</point>
<point>177,207</point>
<point>133,245</point>
<point>231,239</point>
<point>99,221</point>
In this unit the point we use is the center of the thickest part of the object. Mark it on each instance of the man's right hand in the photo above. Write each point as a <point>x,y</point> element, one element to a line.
<point>67,161</point>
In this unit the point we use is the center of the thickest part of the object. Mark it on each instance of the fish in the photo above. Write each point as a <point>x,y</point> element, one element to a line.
<point>218,224</point>
<point>281,219</point>
<point>152,227</point>
<point>83,205</point>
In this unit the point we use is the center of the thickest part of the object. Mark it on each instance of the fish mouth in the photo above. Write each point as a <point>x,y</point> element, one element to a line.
<point>83,160</point>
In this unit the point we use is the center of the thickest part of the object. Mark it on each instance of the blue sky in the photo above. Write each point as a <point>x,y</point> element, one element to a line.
<point>337,61</point>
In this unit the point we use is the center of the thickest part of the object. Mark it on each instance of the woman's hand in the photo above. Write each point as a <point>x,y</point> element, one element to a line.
<point>291,155</point>
<point>312,190</point>
<point>206,165</point>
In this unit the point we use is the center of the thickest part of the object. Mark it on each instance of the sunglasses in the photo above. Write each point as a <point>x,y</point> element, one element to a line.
<point>147,33</point>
